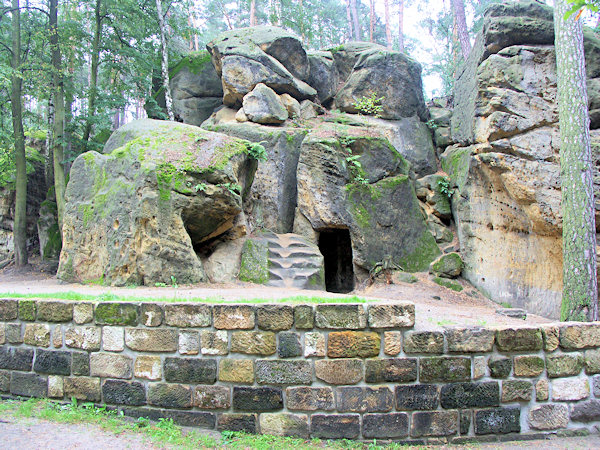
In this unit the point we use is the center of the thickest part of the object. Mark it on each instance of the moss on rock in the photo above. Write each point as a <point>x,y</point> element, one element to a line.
<point>255,261</point>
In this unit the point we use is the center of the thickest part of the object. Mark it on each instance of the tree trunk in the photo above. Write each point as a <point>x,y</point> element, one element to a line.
<point>355,22</point>
<point>164,61</point>
<point>253,13</point>
<point>460,22</point>
<point>349,19</point>
<point>20,223</point>
<point>401,25</point>
<point>93,73</point>
<point>388,29</point>
<point>59,114</point>
<point>372,20</point>
<point>580,290</point>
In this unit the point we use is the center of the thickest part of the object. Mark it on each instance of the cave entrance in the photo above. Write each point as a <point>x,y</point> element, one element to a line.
<point>336,247</point>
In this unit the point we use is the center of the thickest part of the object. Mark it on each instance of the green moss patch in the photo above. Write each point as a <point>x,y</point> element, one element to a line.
<point>448,284</point>
<point>255,262</point>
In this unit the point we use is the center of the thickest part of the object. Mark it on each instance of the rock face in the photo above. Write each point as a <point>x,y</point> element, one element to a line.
<point>505,167</point>
<point>134,215</point>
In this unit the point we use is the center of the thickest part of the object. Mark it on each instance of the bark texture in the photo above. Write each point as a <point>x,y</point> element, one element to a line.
<point>460,24</point>
<point>401,25</point>
<point>388,30</point>
<point>355,22</point>
<point>93,72</point>
<point>165,61</point>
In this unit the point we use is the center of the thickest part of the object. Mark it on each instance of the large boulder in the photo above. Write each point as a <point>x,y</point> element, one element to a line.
<point>324,76</point>
<point>135,215</point>
<point>263,105</point>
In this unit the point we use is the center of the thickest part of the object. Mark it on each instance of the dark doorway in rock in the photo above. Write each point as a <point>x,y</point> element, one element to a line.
<point>336,248</point>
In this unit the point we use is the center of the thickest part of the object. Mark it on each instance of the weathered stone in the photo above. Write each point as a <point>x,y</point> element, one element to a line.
<point>151,315</point>
<point>214,342</point>
<point>190,370</point>
<point>14,333</point>
<point>16,358</point>
<point>417,397</point>
<point>289,345</point>
<point>54,311</point>
<point>83,313</point>
<point>434,423</point>
<point>498,420</point>
<point>398,315</point>
<point>264,106</point>
<point>284,424</point>
<point>314,344</point>
<point>528,366</point>
<point>551,334</point>
<point>80,364</point>
<point>291,105</point>
<point>542,390</point>
<point>257,398</point>
<point>57,336</point>
<point>283,372</point>
<point>124,392</point>
<point>364,399</point>
<point>470,395</point>
<point>588,411</point>
<point>424,342</point>
<point>549,417</point>
<point>449,265</point>
<point>385,426</point>
<point>479,367</point>
<point>275,317</point>
<point>564,365</point>
<point>592,361</point>
<point>28,385</point>
<point>85,338</point>
<point>52,362</point>
<point>192,418</point>
<point>113,339</point>
<point>399,370</point>
<point>2,334</point>
<point>570,389</point>
<point>8,309</point>
<point>37,334</point>
<point>237,422</point>
<point>151,340</point>
<point>351,344</point>
<point>579,335</point>
<point>436,369</point>
<point>466,417</point>
<point>304,317</point>
<point>596,384</point>
<point>392,343</point>
<point>470,340</point>
<point>339,371</point>
<point>170,395</point>
<point>27,310</point>
<point>116,314</point>
<point>187,315</point>
<point>253,342</point>
<point>500,366</point>
<point>236,370</point>
<point>82,388</point>
<point>189,342</point>
<point>350,317</point>
<point>148,367</point>
<point>4,381</point>
<point>232,317</point>
<point>212,397</point>
<point>335,426</point>
<point>55,387</point>
<point>519,339</point>
<point>110,365</point>
<point>310,398</point>
<point>516,391</point>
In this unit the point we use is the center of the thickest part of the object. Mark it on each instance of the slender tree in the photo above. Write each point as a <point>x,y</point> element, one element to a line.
<point>580,290</point>
<point>165,60</point>
<point>460,26</point>
<point>253,13</point>
<point>388,29</point>
<point>371,20</point>
<point>401,25</point>
<point>355,22</point>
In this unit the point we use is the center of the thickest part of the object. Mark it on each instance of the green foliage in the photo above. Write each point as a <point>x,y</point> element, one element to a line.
<point>444,185</point>
<point>592,5</point>
<point>353,161</point>
<point>234,188</point>
<point>370,105</point>
<point>256,151</point>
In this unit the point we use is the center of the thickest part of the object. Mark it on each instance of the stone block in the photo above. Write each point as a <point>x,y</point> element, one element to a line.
<point>233,317</point>
<point>148,367</point>
<point>423,342</point>
<point>113,339</point>
<point>124,392</point>
<point>275,317</point>
<point>2,334</point>
<point>108,313</point>
<point>57,336</point>
<point>82,388</point>
<point>528,366</point>
<point>84,338</point>
<point>54,362</point>
<point>314,344</point>
<point>417,397</point>
<point>190,370</point>
<point>14,333</point>
<point>498,420</point>
<point>12,358</point>
<point>392,343</point>
<point>470,340</point>
<point>170,395</point>
<point>212,397</point>
<point>37,334</point>
<point>519,339</point>
<point>214,342</point>
<point>151,315</point>
<point>516,391</point>
<point>284,424</point>
<point>397,315</point>
<point>83,313</point>
<point>564,365</point>
<point>350,317</point>
<point>289,345</point>
<point>352,344</point>
<point>8,309</point>
<point>54,311</point>
<point>444,369</point>
<point>592,361</point>
<point>151,340</point>
<point>551,335</point>
<point>253,342</point>
<point>479,367</point>
<point>193,419</point>
<point>237,422</point>
<point>28,385</point>
<point>542,390</point>
<point>80,363</point>
<point>304,317</point>
<point>110,365</point>
<point>257,398</point>
<point>310,398</point>
<point>270,371</point>
<point>500,366</point>
<point>339,371</point>
<point>189,342</point>
<point>236,371</point>
<point>55,387</point>
<point>570,389</point>
<point>385,426</point>
<point>588,411</point>
<point>394,370</point>
<point>548,417</point>
<point>434,423</point>
<point>364,399</point>
<point>579,335</point>
<point>4,381</point>
<point>27,310</point>
<point>466,417</point>
<point>335,426</point>
<point>470,395</point>
<point>187,315</point>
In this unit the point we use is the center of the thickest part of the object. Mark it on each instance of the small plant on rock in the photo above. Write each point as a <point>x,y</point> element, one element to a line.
<point>445,186</point>
<point>371,106</point>
<point>256,151</point>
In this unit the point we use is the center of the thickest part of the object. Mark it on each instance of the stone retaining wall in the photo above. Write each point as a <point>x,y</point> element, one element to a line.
<point>328,371</point>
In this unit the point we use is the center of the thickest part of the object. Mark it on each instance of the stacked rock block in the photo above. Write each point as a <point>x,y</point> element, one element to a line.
<point>328,371</point>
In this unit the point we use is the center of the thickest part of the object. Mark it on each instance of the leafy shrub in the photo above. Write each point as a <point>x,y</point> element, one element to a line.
<point>256,151</point>
<point>370,106</point>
